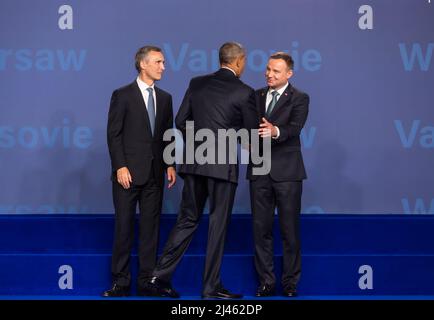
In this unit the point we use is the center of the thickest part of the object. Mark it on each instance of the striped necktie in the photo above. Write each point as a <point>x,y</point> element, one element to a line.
<point>273,102</point>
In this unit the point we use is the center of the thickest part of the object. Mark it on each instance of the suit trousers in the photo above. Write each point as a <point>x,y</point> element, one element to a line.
<point>149,198</point>
<point>265,195</point>
<point>194,195</point>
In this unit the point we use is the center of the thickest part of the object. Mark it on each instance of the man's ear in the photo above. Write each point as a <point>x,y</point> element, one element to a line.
<point>290,74</point>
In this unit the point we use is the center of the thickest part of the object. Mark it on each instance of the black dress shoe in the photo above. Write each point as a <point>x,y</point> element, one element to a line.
<point>222,294</point>
<point>158,288</point>
<point>290,292</point>
<point>265,290</point>
<point>117,291</point>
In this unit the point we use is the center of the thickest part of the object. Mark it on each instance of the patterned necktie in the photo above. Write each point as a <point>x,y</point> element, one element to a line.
<point>273,101</point>
<point>151,109</point>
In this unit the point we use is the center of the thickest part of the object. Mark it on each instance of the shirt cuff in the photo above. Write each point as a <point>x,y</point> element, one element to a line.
<point>278,133</point>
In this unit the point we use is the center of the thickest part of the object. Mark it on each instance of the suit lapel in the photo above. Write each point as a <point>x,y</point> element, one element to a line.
<point>138,97</point>
<point>159,108</point>
<point>286,96</point>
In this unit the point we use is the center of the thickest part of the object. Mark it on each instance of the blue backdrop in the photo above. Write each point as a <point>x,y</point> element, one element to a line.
<point>368,142</point>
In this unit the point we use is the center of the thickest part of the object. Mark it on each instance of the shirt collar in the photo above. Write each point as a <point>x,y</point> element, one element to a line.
<point>280,91</point>
<point>224,67</point>
<point>142,85</point>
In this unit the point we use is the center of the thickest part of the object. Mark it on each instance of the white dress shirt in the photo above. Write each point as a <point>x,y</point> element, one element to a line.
<point>145,93</point>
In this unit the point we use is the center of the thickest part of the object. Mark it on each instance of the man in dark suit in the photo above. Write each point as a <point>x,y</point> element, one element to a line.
<point>283,112</point>
<point>139,115</point>
<point>215,101</point>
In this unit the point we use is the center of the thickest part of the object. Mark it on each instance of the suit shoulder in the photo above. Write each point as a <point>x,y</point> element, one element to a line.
<point>298,92</point>
<point>123,90</point>
<point>163,92</point>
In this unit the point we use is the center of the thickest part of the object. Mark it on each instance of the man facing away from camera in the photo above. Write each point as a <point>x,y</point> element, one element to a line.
<point>216,101</point>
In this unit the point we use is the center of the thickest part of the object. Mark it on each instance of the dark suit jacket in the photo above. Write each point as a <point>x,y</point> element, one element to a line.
<point>289,115</point>
<point>129,137</point>
<point>216,101</point>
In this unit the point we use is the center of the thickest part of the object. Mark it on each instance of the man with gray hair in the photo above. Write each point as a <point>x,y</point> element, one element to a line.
<point>216,101</point>
<point>139,115</point>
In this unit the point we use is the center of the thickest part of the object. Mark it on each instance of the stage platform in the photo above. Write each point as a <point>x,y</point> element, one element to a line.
<point>343,257</point>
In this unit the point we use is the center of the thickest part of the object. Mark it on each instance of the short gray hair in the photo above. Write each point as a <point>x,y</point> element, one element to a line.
<point>230,51</point>
<point>142,53</point>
